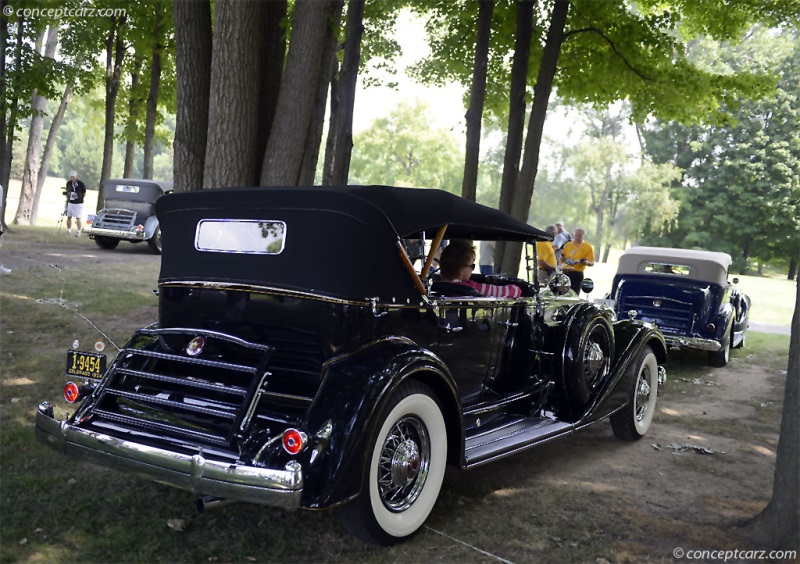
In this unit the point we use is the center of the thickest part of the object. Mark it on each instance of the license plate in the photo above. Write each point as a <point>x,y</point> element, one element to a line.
<point>86,364</point>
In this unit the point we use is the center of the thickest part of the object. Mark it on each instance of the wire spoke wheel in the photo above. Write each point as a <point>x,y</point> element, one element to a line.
<point>404,462</point>
<point>405,466</point>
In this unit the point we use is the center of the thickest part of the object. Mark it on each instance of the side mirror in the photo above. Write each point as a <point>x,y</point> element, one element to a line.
<point>559,284</point>
<point>587,285</point>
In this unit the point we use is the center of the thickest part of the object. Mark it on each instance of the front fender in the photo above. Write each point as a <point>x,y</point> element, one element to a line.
<point>354,390</point>
<point>630,338</point>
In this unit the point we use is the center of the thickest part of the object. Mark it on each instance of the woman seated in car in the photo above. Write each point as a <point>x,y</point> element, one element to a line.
<point>457,264</point>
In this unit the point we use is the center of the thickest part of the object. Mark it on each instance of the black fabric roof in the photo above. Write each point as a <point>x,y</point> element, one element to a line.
<point>340,242</point>
<point>149,190</point>
<point>409,210</point>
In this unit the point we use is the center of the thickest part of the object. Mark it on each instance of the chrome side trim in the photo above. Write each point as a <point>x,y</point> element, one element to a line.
<point>195,473</point>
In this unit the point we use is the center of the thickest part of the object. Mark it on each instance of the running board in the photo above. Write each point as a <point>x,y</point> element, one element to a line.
<point>508,436</point>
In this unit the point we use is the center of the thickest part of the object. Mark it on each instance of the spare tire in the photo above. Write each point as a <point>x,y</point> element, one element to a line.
<point>588,354</point>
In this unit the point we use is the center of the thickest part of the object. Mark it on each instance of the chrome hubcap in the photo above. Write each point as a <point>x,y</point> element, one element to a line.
<point>643,392</point>
<point>403,464</point>
<point>595,363</point>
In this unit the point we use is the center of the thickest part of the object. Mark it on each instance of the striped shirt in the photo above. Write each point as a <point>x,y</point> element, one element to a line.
<point>493,291</point>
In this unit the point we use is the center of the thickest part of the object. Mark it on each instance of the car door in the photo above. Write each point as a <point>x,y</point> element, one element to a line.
<point>472,332</point>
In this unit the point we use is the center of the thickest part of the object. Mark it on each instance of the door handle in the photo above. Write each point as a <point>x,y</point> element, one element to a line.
<point>508,323</point>
<point>451,329</point>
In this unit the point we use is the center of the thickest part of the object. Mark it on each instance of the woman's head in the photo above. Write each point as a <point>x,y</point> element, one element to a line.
<point>458,260</point>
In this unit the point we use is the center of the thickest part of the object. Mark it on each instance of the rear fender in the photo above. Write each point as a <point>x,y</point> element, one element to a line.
<point>150,226</point>
<point>354,390</point>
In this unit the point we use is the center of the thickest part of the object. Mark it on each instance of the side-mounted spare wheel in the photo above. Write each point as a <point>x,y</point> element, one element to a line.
<point>404,471</point>
<point>640,383</point>
<point>588,354</point>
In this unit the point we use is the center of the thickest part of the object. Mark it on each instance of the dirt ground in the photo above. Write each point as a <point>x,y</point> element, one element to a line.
<point>705,467</point>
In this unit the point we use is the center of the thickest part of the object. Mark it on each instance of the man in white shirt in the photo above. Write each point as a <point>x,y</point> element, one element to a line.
<point>562,238</point>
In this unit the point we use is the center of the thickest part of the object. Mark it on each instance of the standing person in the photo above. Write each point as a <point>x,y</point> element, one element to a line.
<point>75,192</point>
<point>576,256</point>
<point>3,270</point>
<point>487,258</point>
<point>546,258</point>
<point>561,238</point>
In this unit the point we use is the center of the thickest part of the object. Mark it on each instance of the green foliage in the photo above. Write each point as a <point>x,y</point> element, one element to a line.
<point>403,149</point>
<point>613,51</point>
<point>379,49</point>
<point>741,189</point>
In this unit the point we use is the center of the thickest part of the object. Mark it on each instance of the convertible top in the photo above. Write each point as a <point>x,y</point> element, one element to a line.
<point>339,241</point>
<point>708,266</point>
<point>410,211</point>
<point>134,189</point>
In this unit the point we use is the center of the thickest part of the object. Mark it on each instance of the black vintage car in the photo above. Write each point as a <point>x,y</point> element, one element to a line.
<point>128,213</point>
<point>301,361</point>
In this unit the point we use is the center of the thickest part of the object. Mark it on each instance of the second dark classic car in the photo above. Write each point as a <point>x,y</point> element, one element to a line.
<point>687,294</point>
<point>128,213</point>
<point>301,361</point>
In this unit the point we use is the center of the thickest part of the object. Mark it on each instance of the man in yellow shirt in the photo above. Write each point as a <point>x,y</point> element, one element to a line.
<point>576,256</point>
<point>546,256</point>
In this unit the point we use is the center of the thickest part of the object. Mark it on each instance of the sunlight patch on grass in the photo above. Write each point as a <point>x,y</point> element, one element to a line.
<point>18,382</point>
<point>764,451</point>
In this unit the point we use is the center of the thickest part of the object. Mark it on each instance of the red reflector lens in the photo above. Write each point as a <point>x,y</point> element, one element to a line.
<point>71,392</point>
<point>293,441</point>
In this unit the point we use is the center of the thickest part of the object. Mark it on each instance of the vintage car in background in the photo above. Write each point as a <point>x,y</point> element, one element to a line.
<point>127,213</point>
<point>687,294</point>
<point>289,369</point>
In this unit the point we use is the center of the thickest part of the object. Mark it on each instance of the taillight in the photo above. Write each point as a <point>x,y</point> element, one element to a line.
<point>294,441</point>
<point>710,327</point>
<point>73,393</point>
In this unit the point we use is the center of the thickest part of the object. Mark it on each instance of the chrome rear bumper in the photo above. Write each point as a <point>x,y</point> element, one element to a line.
<point>116,234</point>
<point>195,473</point>
<point>693,343</point>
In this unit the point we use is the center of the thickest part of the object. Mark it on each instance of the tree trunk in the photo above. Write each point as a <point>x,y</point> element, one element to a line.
<point>152,98</point>
<point>115,52</point>
<point>523,191</point>
<point>474,117</point>
<point>25,212</point>
<point>133,117</point>
<point>304,64</point>
<point>8,126</point>
<point>52,134</point>
<point>193,67</point>
<point>339,146</point>
<point>516,116</point>
<point>792,269</point>
<point>308,165</point>
<point>778,526</point>
<point>606,252</point>
<point>234,104</point>
<point>274,59</point>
